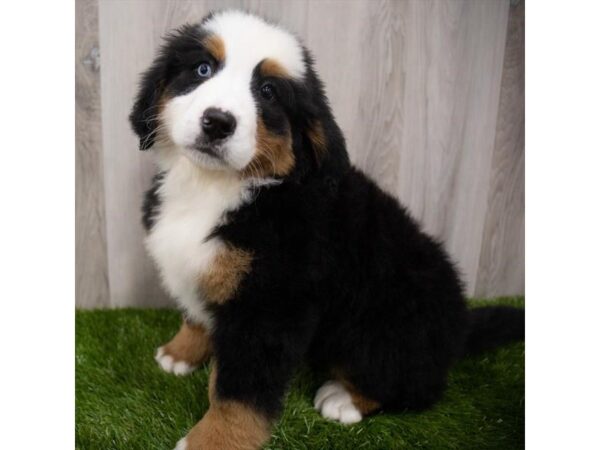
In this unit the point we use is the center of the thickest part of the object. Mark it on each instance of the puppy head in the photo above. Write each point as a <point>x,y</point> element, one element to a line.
<point>235,93</point>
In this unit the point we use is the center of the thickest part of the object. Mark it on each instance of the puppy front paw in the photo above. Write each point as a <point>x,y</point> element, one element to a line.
<point>181,444</point>
<point>169,364</point>
<point>229,426</point>
<point>200,438</point>
<point>189,348</point>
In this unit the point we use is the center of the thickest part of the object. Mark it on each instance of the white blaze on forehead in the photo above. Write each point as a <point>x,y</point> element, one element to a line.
<point>249,39</point>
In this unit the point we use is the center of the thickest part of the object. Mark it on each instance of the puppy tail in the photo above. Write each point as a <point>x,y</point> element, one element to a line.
<point>492,326</point>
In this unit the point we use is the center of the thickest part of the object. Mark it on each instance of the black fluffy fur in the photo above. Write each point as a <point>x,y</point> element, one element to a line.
<point>151,204</point>
<point>342,276</point>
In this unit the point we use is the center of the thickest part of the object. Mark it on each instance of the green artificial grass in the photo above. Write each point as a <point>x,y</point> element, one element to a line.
<point>125,401</point>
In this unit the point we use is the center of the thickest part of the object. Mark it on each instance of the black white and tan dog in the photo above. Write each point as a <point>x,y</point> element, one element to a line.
<point>279,251</point>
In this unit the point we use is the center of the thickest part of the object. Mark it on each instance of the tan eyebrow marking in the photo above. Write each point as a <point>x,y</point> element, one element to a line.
<point>215,45</point>
<point>272,68</point>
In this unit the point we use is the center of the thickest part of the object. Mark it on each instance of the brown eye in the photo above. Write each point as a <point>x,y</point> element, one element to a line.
<point>267,91</point>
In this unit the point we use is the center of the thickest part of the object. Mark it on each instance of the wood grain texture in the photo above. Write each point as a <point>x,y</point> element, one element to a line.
<point>417,100</point>
<point>502,263</point>
<point>130,34</point>
<point>415,86</point>
<point>91,271</point>
<point>453,62</point>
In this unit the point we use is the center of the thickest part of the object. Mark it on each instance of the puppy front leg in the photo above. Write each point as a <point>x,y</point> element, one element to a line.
<point>254,360</point>
<point>228,424</point>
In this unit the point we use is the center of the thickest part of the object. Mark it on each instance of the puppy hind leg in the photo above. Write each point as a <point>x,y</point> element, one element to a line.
<point>339,400</point>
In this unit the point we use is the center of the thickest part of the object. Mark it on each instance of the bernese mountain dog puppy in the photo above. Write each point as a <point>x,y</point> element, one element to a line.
<point>279,251</point>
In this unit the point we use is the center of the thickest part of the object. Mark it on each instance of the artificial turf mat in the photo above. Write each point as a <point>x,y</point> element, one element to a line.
<point>125,401</point>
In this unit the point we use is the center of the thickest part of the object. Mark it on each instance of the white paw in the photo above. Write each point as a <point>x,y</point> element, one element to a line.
<point>168,364</point>
<point>181,445</point>
<point>334,402</point>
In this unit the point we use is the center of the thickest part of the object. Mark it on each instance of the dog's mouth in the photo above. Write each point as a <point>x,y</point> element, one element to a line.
<point>221,154</point>
<point>206,155</point>
<point>213,150</point>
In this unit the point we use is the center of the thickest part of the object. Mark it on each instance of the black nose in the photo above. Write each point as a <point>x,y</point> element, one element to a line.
<point>217,124</point>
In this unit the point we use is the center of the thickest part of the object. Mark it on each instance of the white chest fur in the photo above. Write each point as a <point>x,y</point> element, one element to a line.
<point>193,202</point>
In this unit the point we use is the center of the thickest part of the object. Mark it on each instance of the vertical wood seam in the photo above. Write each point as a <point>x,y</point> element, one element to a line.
<point>91,265</point>
<point>484,280</point>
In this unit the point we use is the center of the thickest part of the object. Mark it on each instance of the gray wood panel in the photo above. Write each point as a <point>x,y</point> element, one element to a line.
<point>415,86</point>
<point>91,271</point>
<point>453,64</point>
<point>502,263</point>
<point>130,34</point>
<point>417,113</point>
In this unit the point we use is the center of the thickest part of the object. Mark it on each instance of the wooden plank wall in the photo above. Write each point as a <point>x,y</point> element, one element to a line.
<point>91,270</point>
<point>429,94</point>
<point>502,260</point>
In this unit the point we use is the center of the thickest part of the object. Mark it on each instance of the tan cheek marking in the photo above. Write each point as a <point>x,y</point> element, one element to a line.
<point>272,68</point>
<point>317,139</point>
<point>215,45</point>
<point>228,425</point>
<point>221,281</point>
<point>191,344</point>
<point>274,155</point>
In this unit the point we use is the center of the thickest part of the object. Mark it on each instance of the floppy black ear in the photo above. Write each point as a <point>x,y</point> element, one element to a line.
<point>325,139</point>
<point>144,116</point>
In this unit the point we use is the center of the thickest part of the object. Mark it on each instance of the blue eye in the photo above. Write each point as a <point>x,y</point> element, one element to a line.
<point>204,70</point>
